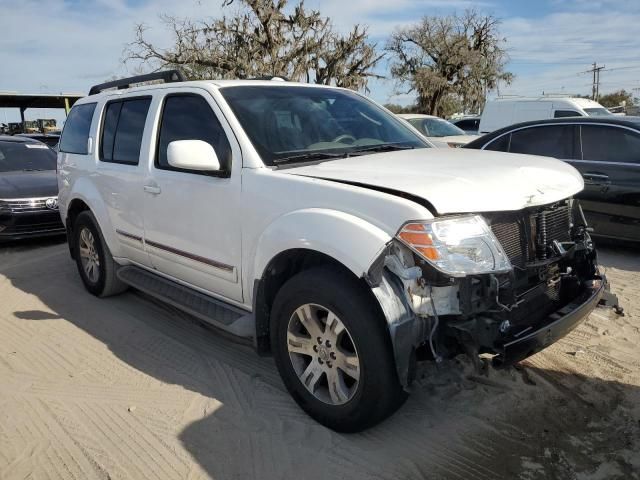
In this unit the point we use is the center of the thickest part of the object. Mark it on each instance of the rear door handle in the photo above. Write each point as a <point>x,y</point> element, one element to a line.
<point>153,189</point>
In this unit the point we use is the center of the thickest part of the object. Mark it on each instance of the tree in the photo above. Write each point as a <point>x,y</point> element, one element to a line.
<point>440,57</point>
<point>395,108</point>
<point>264,38</point>
<point>616,98</point>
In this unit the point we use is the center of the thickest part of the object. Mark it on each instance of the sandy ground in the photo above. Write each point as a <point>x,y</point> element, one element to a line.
<point>128,388</point>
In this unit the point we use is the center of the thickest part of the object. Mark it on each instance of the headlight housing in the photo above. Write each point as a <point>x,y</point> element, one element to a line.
<point>457,246</point>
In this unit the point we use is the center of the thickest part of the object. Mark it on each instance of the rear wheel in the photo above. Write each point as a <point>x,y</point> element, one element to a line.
<point>93,258</point>
<point>333,351</point>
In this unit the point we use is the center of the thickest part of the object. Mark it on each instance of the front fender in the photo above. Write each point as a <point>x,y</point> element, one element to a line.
<point>346,238</point>
<point>85,190</point>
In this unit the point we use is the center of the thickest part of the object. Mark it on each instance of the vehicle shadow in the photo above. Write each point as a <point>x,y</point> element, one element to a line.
<point>548,422</point>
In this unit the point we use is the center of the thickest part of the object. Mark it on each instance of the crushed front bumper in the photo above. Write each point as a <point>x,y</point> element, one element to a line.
<point>524,344</point>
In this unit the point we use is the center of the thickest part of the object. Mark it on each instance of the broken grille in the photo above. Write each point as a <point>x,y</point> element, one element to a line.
<point>528,236</point>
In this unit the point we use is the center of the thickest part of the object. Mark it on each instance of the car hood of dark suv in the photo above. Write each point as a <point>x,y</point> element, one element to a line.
<point>454,180</point>
<point>35,184</point>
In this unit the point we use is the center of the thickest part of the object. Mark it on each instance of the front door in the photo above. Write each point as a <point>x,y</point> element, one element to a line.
<point>192,224</point>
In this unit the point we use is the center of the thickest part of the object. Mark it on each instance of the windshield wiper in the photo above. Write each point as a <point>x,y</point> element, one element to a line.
<point>307,156</point>
<point>33,169</point>
<point>385,147</point>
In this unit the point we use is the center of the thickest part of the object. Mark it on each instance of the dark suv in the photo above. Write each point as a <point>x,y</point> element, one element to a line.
<point>606,151</point>
<point>28,189</point>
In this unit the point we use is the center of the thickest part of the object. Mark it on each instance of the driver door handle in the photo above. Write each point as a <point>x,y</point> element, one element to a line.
<point>152,189</point>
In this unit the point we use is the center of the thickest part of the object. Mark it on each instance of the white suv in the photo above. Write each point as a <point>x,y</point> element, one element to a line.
<point>316,223</point>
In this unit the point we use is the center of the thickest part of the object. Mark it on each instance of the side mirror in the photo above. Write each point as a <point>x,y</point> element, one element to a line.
<point>192,155</point>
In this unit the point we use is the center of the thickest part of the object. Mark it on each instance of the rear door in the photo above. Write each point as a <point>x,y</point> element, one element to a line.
<point>120,172</point>
<point>610,166</point>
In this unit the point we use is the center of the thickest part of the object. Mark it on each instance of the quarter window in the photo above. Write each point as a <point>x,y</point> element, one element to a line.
<point>76,129</point>
<point>501,144</point>
<point>189,117</point>
<point>123,129</point>
<point>552,141</point>
<point>610,144</point>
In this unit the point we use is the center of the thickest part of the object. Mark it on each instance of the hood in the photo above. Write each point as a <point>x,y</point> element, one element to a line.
<point>457,181</point>
<point>28,184</point>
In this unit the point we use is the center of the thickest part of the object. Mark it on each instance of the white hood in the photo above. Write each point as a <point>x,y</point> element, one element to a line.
<point>457,180</point>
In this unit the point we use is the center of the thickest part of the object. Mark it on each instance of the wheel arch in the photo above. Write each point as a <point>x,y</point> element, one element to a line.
<point>280,269</point>
<point>86,197</point>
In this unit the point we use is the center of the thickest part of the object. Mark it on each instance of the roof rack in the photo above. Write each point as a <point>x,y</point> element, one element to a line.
<point>168,76</point>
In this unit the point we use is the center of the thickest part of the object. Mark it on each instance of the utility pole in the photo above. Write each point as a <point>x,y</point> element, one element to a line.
<point>595,88</point>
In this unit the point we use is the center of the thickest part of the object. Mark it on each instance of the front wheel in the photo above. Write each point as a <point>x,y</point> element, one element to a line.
<point>333,350</point>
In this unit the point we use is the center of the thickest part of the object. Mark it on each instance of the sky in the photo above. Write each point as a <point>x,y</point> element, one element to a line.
<point>56,46</point>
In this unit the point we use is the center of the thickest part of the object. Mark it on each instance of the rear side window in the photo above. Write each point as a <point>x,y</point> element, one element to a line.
<point>189,117</point>
<point>122,130</point>
<point>552,141</point>
<point>565,113</point>
<point>76,129</point>
<point>610,144</point>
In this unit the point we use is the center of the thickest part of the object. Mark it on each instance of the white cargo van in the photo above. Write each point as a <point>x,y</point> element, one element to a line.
<point>507,111</point>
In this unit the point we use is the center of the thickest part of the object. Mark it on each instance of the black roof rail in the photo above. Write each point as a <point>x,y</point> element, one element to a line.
<point>168,76</point>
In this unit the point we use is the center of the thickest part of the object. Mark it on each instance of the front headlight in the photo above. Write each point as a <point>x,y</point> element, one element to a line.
<point>457,246</point>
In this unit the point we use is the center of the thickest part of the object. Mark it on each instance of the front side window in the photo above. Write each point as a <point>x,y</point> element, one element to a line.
<point>75,135</point>
<point>550,140</point>
<point>295,124</point>
<point>565,113</point>
<point>190,117</point>
<point>610,144</point>
<point>26,157</point>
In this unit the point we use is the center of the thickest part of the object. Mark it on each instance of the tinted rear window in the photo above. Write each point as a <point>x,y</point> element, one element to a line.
<point>123,129</point>
<point>18,156</point>
<point>76,129</point>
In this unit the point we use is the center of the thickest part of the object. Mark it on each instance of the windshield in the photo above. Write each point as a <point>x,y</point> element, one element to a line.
<point>436,127</point>
<point>19,156</point>
<point>297,124</point>
<point>598,112</point>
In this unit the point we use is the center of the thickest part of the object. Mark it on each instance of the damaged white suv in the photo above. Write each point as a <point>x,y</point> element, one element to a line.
<point>315,223</point>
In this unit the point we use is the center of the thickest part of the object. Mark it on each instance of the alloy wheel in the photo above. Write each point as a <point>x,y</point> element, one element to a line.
<point>323,354</point>
<point>89,255</point>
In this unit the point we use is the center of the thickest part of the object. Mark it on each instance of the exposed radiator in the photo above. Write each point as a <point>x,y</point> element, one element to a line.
<point>527,236</point>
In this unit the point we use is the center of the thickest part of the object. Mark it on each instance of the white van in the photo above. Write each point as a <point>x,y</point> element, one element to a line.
<point>507,111</point>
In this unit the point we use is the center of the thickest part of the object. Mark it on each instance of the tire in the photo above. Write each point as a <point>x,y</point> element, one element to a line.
<point>340,395</point>
<point>101,280</point>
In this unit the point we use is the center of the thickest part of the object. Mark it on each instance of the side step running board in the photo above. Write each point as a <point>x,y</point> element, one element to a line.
<point>216,312</point>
